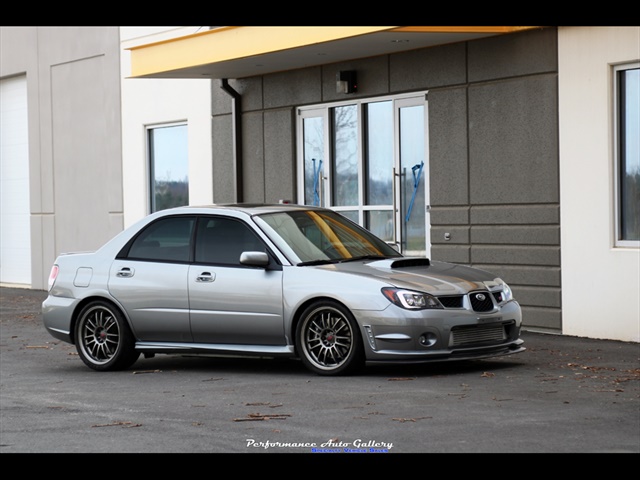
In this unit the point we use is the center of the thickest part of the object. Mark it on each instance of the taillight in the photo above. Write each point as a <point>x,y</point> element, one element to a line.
<point>53,275</point>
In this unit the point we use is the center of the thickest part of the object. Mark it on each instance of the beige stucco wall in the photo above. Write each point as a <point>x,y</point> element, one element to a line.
<point>600,282</point>
<point>147,102</point>
<point>73,108</point>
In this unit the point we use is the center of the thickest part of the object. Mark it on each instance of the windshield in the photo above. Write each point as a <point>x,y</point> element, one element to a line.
<point>322,236</point>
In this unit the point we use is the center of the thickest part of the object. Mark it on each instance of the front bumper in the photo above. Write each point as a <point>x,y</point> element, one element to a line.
<point>398,335</point>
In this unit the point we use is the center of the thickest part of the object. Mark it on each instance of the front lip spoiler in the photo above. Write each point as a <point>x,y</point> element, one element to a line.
<point>453,356</point>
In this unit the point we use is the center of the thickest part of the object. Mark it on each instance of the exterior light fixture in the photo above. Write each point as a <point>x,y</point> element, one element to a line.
<point>346,81</point>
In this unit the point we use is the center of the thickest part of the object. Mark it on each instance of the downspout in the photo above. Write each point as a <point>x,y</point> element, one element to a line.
<point>236,114</point>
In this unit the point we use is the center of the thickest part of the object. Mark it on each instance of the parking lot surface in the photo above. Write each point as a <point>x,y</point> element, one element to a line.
<point>563,395</point>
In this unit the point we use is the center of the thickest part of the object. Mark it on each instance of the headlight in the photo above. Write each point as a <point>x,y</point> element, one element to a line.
<point>411,300</point>
<point>507,294</point>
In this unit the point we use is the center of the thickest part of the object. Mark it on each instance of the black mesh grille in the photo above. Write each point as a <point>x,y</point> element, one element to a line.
<point>481,301</point>
<point>451,302</point>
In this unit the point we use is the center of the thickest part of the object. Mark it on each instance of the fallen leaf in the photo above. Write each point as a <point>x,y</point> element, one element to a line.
<point>257,417</point>
<point>118,424</point>
<point>403,420</point>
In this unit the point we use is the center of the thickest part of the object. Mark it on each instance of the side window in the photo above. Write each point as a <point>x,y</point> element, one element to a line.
<point>166,240</point>
<point>221,241</point>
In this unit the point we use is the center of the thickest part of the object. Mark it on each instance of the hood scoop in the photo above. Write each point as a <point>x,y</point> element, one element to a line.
<point>410,262</point>
<point>402,262</point>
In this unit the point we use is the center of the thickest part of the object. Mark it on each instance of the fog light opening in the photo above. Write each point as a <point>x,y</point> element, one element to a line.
<point>427,339</point>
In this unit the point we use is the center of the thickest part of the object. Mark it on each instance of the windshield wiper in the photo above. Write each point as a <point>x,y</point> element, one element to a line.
<point>343,260</point>
<point>363,257</point>
<point>318,262</point>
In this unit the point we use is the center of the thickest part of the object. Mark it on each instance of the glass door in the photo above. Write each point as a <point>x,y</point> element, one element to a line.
<point>368,161</point>
<point>412,182</point>
<point>313,151</point>
<point>396,206</point>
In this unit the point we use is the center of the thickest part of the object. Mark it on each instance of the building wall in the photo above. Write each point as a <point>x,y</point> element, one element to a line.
<point>73,97</point>
<point>493,145</point>
<point>600,282</point>
<point>152,102</point>
<point>515,149</point>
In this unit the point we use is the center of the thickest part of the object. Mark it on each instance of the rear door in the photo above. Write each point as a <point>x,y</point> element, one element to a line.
<point>149,279</point>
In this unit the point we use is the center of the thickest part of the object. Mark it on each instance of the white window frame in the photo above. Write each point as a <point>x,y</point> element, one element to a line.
<point>617,156</point>
<point>150,168</point>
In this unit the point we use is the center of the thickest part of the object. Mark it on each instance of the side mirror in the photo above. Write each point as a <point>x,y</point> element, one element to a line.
<point>254,259</point>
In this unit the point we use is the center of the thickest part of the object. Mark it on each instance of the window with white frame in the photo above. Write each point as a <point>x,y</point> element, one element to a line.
<point>368,160</point>
<point>168,166</point>
<point>627,154</point>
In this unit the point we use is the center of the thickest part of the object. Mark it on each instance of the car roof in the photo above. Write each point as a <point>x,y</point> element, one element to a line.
<point>247,208</point>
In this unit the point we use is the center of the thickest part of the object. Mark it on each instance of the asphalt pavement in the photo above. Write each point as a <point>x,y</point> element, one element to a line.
<point>563,394</point>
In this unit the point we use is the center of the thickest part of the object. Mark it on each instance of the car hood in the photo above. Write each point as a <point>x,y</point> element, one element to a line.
<point>438,278</point>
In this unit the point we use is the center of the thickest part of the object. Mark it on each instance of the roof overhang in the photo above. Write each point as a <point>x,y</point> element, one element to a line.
<point>239,52</point>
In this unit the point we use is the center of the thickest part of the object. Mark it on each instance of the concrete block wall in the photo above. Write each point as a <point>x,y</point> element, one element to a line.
<point>493,143</point>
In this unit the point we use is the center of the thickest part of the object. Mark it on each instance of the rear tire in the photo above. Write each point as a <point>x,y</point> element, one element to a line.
<point>328,339</point>
<point>103,338</point>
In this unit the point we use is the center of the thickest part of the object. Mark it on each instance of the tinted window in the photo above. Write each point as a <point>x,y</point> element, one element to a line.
<point>222,240</point>
<point>166,240</point>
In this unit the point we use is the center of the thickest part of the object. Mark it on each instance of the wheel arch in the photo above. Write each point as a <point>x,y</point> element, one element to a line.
<point>297,316</point>
<point>86,301</point>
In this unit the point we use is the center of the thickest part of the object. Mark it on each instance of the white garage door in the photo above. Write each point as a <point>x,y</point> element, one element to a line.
<point>15,236</point>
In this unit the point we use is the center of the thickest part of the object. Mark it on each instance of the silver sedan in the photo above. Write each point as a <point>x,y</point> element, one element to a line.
<point>273,281</point>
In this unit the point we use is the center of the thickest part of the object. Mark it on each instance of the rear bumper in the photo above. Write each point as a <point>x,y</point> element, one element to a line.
<point>56,316</point>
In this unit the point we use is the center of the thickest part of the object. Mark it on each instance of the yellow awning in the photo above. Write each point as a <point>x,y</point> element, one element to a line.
<point>236,52</point>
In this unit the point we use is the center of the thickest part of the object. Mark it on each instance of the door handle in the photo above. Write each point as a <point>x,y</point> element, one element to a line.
<point>394,176</point>
<point>125,272</point>
<point>205,277</point>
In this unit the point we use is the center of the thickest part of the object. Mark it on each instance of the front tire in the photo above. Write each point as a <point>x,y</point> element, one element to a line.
<point>328,339</point>
<point>103,338</point>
